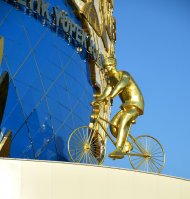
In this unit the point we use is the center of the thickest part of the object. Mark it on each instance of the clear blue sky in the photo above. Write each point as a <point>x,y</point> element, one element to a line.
<point>153,44</point>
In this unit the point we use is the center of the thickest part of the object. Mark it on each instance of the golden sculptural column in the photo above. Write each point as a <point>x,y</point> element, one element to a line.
<point>4,84</point>
<point>1,48</point>
<point>99,23</point>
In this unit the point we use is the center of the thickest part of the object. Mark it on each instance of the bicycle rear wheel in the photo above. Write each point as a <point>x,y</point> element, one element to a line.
<point>148,154</point>
<point>85,145</point>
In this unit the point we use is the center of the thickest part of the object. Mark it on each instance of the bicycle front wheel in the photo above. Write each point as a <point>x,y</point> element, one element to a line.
<point>147,154</point>
<point>85,145</point>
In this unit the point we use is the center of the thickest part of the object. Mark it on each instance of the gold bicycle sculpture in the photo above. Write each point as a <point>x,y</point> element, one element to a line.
<point>86,145</point>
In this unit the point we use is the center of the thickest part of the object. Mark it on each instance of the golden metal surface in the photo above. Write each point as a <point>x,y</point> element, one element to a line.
<point>1,49</point>
<point>89,12</point>
<point>121,83</point>
<point>99,15</point>
<point>4,83</point>
<point>85,145</point>
<point>100,25</point>
<point>5,145</point>
<point>98,21</point>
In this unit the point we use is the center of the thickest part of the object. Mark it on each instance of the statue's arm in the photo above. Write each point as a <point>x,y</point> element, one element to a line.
<point>103,96</point>
<point>105,93</point>
<point>119,86</point>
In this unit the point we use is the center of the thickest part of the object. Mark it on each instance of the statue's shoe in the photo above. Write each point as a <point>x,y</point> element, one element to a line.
<point>116,154</point>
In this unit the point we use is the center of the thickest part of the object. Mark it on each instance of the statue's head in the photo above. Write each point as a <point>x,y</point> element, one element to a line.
<point>110,64</point>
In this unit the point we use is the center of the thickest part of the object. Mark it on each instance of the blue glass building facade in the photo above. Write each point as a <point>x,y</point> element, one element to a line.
<point>50,89</point>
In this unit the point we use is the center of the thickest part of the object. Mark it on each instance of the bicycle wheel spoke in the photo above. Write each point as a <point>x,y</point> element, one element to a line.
<point>81,135</point>
<point>157,159</point>
<point>157,163</point>
<point>151,167</point>
<point>160,152</point>
<point>93,157</point>
<point>94,147</point>
<point>77,151</point>
<point>153,146</point>
<point>76,140</point>
<point>141,149</point>
<point>140,163</point>
<point>90,136</point>
<point>156,149</point>
<point>80,158</point>
<point>76,145</point>
<point>136,158</point>
<point>158,156</point>
<point>93,140</point>
<point>89,158</point>
<point>154,164</point>
<point>146,144</point>
<point>136,162</point>
<point>84,134</point>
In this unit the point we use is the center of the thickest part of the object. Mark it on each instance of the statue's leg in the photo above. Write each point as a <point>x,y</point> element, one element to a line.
<point>124,125</point>
<point>115,122</point>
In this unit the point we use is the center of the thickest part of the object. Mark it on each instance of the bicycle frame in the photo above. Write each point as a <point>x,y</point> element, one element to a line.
<point>144,153</point>
<point>87,145</point>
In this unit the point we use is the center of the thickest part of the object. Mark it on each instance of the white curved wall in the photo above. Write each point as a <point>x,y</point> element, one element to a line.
<point>22,179</point>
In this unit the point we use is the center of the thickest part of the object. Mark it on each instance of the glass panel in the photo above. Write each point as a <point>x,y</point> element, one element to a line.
<point>21,146</point>
<point>50,93</point>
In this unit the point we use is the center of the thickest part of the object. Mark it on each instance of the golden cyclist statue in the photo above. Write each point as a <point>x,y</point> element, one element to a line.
<point>121,83</point>
<point>86,144</point>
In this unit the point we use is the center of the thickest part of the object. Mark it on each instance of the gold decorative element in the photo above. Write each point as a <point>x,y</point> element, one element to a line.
<point>85,145</point>
<point>110,61</point>
<point>97,18</point>
<point>1,49</point>
<point>5,145</point>
<point>100,19</point>
<point>89,12</point>
<point>4,83</point>
<point>98,22</point>
<point>121,83</point>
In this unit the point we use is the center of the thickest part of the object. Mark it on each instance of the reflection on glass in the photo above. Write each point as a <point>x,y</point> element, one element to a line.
<point>2,133</point>
<point>49,92</point>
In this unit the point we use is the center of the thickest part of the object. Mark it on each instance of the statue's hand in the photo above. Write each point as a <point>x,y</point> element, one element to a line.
<point>97,101</point>
<point>93,103</point>
<point>107,99</point>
